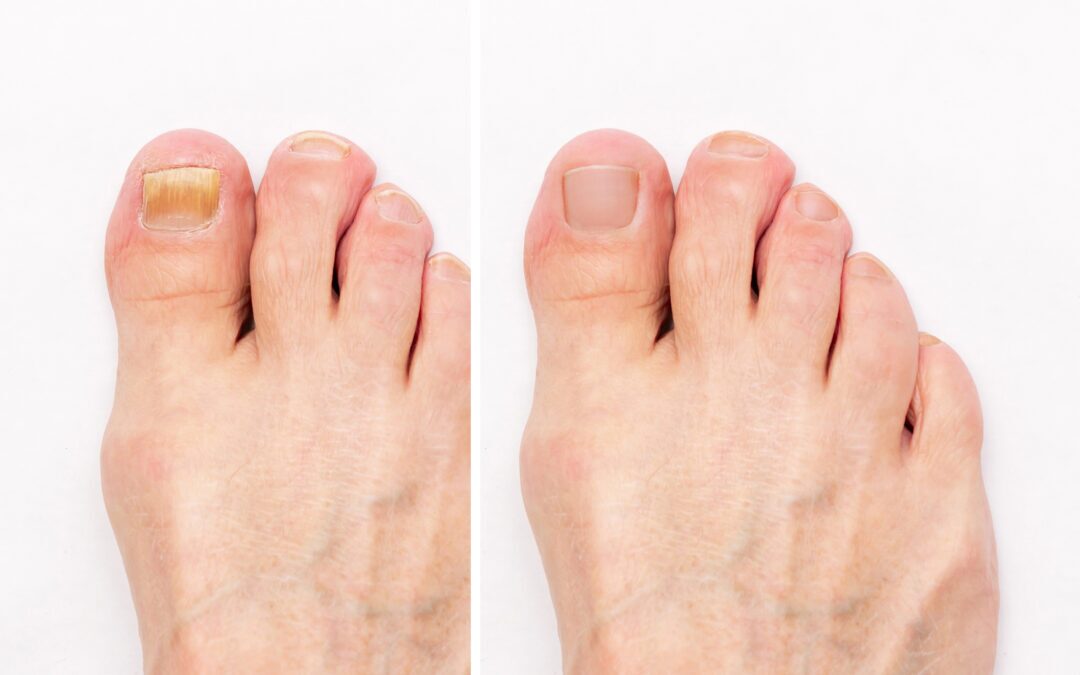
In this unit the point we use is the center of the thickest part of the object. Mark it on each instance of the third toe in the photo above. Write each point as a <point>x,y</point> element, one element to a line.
<point>380,271</point>
<point>799,264</point>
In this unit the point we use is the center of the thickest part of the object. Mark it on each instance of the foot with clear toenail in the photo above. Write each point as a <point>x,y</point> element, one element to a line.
<point>743,456</point>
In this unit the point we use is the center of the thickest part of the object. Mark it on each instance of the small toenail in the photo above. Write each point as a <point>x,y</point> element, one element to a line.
<point>398,207</point>
<point>449,268</point>
<point>598,198</point>
<point>318,144</point>
<point>183,199</point>
<point>928,340</point>
<point>734,144</point>
<point>816,205</point>
<point>868,266</point>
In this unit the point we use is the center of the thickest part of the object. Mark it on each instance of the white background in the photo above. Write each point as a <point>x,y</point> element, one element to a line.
<point>948,131</point>
<point>83,89</point>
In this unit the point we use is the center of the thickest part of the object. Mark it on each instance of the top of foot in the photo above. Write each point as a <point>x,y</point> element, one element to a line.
<point>742,455</point>
<point>286,466</point>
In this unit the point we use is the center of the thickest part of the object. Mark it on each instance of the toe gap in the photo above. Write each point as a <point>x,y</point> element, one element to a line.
<point>247,326</point>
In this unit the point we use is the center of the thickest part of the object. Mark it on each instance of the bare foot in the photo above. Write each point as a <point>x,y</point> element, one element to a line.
<point>785,482</point>
<point>292,498</point>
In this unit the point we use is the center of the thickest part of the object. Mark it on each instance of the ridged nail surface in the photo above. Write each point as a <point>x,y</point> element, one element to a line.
<point>183,199</point>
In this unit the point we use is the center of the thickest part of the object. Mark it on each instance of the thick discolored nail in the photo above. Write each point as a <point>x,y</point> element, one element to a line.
<point>816,205</point>
<point>866,265</point>
<point>397,206</point>
<point>600,197</point>
<point>928,340</point>
<point>735,144</point>
<point>319,144</point>
<point>183,199</point>
<point>449,268</point>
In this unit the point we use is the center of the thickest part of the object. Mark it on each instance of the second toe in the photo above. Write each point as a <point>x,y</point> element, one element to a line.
<point>309,194</point>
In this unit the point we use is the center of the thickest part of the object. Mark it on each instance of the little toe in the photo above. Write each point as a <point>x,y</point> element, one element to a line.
<point>728,194</point>
<point>799,265</point>
<point>441,356</point>
<point>596,250</point>
<point>380,271</point>
<point>177,247</point>
<point>309,195</point>
<point>872,372</point>
<point>945,413</point>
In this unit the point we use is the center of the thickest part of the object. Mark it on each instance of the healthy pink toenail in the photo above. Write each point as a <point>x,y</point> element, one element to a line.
<point>318,144</point>
<point>183,199</point>
<point>735,144</point>
<point>865,265</point>
<point>816,205</point>
<point>598,198</point>
<point>449,268</point>
<point>397,206</point>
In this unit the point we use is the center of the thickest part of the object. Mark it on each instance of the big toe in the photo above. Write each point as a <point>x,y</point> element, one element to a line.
<point>597,248</point>
<point>177,247</point>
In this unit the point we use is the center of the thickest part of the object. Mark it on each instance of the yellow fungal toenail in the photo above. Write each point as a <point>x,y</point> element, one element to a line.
<point>319,144</point>
<point>928,340</point>
<point>183,199</point>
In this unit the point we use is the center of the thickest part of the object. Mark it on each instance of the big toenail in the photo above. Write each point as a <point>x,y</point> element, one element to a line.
<point>816,205</point>
<point>318,144</point>
<point>598,198</point>
<point>183,199</point>
<point>928,340</point>
<point>448,268</point>
<point>398,207</point>
<point>868,266</point>
<point>731,144</point>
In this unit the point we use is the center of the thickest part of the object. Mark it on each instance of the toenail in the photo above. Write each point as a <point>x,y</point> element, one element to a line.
<point>928,340</point>
<point>598,198</point>
<point>449,268</point>
<point>318,144</point>
<point>733,144</point>
<point>398,207</point>
<point>816,205</point>
<point>868,266</point>
<point>183,199</point>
